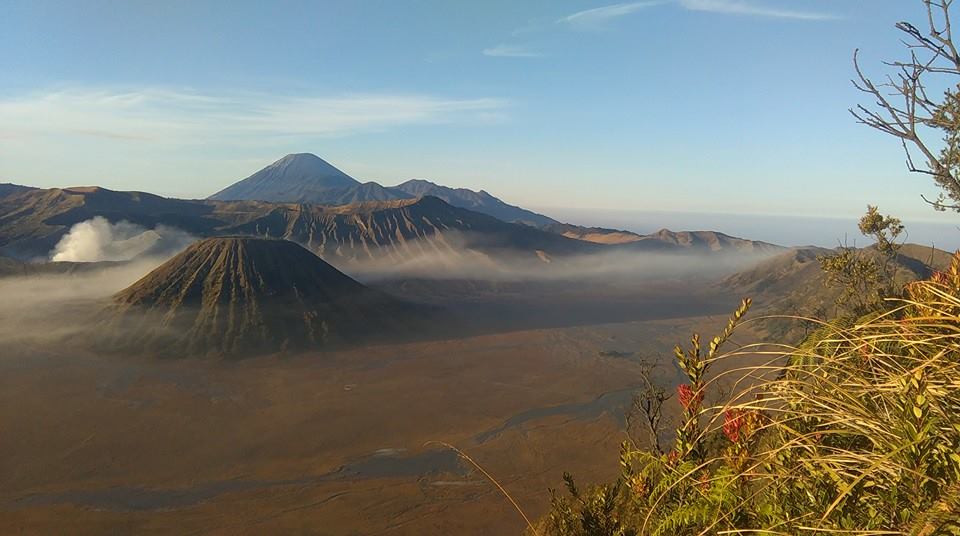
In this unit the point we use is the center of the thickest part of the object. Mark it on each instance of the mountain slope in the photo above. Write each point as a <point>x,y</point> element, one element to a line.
<point>598,235</point>
<point>477,201</point>
<point>306,178</point>
<point>32,222</point>
<point>666,240</point>
<point>236,296</point>
<point>424,232</point>
<point>401,231</point>
<point>712,241</point>
<point>299,177</point>
<point>792,282</point>
<point>7,188</point>
<point>361,193</point>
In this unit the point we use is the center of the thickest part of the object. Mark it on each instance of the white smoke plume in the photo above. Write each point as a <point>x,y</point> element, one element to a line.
<point>97,240</point>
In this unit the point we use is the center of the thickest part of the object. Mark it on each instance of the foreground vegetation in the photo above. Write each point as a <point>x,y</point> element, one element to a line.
<point>857,431</point>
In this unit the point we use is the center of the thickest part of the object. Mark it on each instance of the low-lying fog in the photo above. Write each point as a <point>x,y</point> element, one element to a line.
<point>96,259</point>
<point>54,307</point>
<point>462,257</point>
<point>51,306</point>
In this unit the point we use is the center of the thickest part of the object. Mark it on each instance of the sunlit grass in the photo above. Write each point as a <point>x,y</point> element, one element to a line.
<point>854,431</point>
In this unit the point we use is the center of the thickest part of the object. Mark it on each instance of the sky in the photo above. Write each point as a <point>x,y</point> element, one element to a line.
<point>705,106</point>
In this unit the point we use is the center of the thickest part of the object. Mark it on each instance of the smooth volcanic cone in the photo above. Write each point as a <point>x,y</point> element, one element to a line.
<point>295,177</point>
<point>246,296</point>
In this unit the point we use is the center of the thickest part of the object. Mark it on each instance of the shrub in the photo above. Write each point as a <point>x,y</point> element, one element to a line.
<point>857,431</point>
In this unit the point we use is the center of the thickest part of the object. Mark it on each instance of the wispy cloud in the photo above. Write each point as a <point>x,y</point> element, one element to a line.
<point>511,51</point>
<point>156,115</point>
<point>528,28</point>
<point>596,17</point>
<point>600,15</point>
<point>740,7</point>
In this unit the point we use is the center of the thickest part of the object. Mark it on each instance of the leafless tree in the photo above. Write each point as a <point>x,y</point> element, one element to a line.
<point>919,102</point>
<point>648,406</point>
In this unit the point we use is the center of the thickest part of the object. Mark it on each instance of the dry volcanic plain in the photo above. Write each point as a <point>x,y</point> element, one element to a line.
<point>338,442</point>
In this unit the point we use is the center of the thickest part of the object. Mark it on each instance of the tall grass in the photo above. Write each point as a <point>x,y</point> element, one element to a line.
<point>857,431</point>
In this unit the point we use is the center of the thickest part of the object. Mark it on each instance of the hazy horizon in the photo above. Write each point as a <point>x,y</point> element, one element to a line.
<point>784,230</point>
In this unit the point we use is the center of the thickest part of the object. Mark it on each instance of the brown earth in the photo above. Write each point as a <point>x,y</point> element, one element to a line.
<point>331,443</point>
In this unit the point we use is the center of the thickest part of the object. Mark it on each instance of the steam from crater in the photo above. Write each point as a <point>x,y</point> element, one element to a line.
<point>97,240</point>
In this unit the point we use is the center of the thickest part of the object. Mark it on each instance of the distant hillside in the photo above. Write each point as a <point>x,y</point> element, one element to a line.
<point>361,193</point>
<point>706,241</point>
<point>930,256</point>
<point>7,188</point>
<point>306,178</point>
<point>244,296</point>
<point>792,282</point>
<point>598,235</point>
<point>32,222</point>
<point>425,232</point>
<point>406,229</point>
<point>12,267</point>
<point>666,240</point>
<point>477,201</point>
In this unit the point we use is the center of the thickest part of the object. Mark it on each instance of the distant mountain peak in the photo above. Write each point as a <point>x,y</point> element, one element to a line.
<point>307,178</point>
<point>308,159</point>
<point>290,178</point>
<point>423,182</point>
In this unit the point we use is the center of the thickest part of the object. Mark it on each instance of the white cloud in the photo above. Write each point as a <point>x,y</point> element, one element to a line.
<point>511,51</point>
<point>739,7</point>
<point>157,115</point>
<point>599,15</point>
<point>596,17</point>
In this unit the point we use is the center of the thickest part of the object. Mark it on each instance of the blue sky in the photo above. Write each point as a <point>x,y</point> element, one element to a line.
<point>734,106</point>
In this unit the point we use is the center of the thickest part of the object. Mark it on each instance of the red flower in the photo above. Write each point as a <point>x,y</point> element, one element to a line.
<point>734,422</point>
<point>688,398</point>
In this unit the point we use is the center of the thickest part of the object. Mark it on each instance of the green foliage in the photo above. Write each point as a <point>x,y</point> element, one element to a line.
<point>884,229</point>
<point>865,278</point>
<point>859,433</point>
<point>858,278</point>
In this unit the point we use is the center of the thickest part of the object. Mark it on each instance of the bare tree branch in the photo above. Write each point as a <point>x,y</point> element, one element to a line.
<point>902,107</point>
